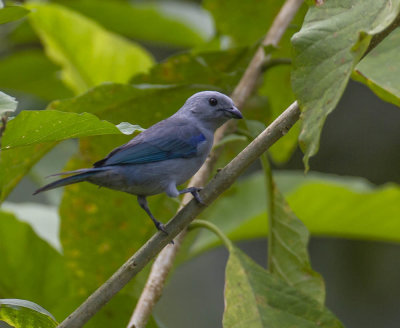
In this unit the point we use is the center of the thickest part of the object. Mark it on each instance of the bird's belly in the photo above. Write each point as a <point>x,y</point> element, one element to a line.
<point>150,178</point>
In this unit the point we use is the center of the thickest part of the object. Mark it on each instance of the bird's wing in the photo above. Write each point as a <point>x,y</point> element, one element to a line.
<point>160,142</point>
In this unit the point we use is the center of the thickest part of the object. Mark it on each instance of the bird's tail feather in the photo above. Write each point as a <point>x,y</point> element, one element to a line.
<point>80,175</point>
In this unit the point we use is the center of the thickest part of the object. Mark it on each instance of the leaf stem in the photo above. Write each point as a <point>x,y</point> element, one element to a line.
<point>270,206</point>
<point>213,228</point>
<point>276,62</point>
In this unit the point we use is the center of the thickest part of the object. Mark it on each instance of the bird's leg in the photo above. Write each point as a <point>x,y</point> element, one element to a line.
<point>143,204</point>
<point>195,192</point>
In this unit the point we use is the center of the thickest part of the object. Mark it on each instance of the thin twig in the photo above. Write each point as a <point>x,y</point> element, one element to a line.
<point>3,125</point>
<point>163,263</point>
<point>276,62</point>
<point>221,182</point>
<point>378,38</point>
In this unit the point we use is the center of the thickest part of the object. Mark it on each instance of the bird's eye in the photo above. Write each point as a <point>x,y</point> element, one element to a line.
<point>213,101</point>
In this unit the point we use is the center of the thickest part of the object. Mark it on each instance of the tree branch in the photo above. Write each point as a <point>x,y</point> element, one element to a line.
<point>221,182</point>
<point>164,261</point>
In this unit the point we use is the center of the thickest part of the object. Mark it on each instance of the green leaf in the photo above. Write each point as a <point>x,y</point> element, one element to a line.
<point>31,72</point>
<point>280,95</point>
<point>164,24</point>
<point>36,127</point>
<point>221,69</point>
<point>7,103</point>
<point>25,314</point>
<point>12,13</point>
<point>255,298</point>
<point>289,259</point>
<point>332,40</point>
<point>277,87</point>
<point>369,213</point>
<point>230,138</point>
<point>288,238</point>
<point>229,15</point>
<point>15,163</point>
<point>42,218</point>
<point>365,211</point>
<point>88,53</point>
<point>379,71</point>
<point>119,102</point>
<point>128,128</point>
<point>31,268</point>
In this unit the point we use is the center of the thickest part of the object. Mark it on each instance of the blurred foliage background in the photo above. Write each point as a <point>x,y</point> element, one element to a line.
<point>137,62</point>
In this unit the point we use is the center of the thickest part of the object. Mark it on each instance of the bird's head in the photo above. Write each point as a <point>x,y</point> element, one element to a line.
<point>211,107</point>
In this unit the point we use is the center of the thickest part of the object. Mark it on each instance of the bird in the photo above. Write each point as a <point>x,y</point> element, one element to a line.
<point>162,157</point>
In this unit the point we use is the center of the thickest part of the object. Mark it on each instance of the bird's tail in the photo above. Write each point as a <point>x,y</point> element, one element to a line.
<point>79,176</point>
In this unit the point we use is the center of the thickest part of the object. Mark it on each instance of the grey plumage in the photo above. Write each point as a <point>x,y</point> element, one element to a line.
<point>164,156</point>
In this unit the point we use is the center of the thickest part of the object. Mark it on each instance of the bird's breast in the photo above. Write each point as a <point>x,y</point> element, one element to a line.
<point>205,145</point>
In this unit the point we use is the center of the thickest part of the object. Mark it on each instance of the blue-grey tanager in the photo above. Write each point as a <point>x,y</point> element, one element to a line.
<point>162,157</point>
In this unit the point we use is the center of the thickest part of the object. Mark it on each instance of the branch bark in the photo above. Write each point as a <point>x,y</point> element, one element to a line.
<point>221,182</point>
<point>163,263</point>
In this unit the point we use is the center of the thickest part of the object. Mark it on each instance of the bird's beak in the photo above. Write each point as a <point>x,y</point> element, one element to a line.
<point>233,112</point>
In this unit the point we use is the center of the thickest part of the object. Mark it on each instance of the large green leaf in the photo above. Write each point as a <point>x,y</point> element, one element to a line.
<point>42,218</point>
<point>7,103</point>
<point>328,205</point>
<point>222,69</point>
<point>230,15</point>
<point>332,40</point>
<point>25,314</point>
<point>31,269</point>
<point>288,255</point>
<point>88,53</point>
<point>163,24</point>
<point>15,163</point>
<point>12,13</point>
<point>143,105</point>
<point>31,72</point>
<point>36,127</point>
<point>277,88</point>
<point>255,298</point>
<point>371,213</point>
<point>280,95</point>
<point>288,241</point>
<point>379,69</point>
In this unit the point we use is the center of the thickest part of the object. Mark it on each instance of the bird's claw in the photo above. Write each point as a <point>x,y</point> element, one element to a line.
<point>161,227</point>
<point>196,196</point>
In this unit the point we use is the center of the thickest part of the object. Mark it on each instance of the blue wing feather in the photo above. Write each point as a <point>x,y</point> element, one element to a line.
<point>165,140</point>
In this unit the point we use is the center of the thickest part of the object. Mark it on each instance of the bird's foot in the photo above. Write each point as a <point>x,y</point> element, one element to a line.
<point>161,227</point>
<point>195,192</point>
<point>196,195</point>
